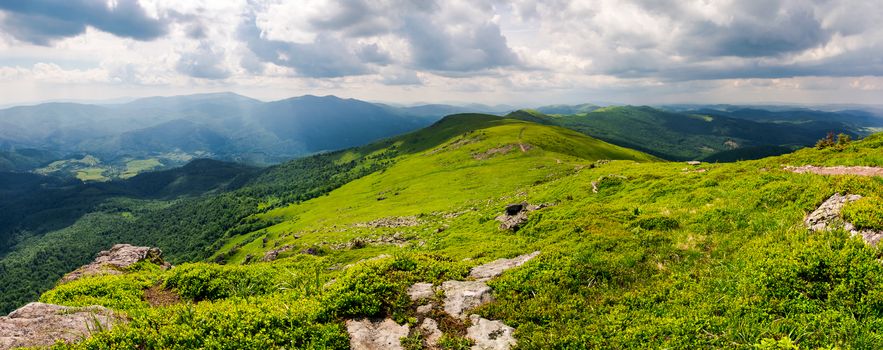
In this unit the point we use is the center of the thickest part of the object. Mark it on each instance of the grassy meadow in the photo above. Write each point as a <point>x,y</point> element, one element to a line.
<point>635,252</point>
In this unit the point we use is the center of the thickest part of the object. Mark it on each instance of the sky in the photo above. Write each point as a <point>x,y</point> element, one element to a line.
<point>519,52</point>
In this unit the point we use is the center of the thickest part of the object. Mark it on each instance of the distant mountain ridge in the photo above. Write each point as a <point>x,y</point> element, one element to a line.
<point>222,125</point>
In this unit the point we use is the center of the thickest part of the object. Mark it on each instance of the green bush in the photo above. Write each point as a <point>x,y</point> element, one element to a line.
<point>866,213</point>
<point>661,223</point>
<point>119,292</point>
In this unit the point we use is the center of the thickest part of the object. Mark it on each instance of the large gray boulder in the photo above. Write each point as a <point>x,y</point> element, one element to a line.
<point>39,324</point>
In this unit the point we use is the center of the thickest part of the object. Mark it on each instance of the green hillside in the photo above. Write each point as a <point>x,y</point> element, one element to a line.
<point>688,136</point>
<point>635,252</point>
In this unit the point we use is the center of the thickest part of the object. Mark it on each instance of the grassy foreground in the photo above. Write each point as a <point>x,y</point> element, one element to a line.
<point>654,255</point>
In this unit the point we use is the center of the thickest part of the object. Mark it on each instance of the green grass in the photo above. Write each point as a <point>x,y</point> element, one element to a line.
<point>865,213</point>
<point>135,167</point>
<point>661,256</point>
<point>91,174</point>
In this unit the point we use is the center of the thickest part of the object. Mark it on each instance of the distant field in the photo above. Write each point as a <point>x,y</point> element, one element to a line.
<point>91,174</point>
<point>136,167</point>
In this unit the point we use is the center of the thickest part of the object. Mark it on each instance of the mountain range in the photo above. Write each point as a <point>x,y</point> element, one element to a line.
<point>223,126</point>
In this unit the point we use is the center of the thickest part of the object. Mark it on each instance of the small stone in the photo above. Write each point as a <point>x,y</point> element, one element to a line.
<point>431,331</point>
<point>421,291</point>
<point>694,162</point>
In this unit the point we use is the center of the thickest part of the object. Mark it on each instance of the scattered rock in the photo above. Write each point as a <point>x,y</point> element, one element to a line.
<point>39,324</point>
<point>497,267</point>
<point>274,253</point>
<point>380,335</point>
<point>397,239</point>
<point>837,170</point>
<point>493,152</point>
<point>116,259</point>
<point>823,217</point>
<point>420,291</point>
<point>461,296</point>
<point>431,332</point>
<point>391,222</point>
<point>694,162</point>
<point>310,251</point>
<point>490,335</point>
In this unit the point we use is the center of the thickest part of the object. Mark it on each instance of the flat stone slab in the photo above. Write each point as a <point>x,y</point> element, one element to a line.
<point>490,335</point>
<point>39,324</point>
<point>381,335</point>
<point>497,267</point>
<point>461,296</point>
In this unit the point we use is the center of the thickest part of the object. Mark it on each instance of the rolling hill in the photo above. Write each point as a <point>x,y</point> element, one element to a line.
<point>485,146</point>
<point>173,130</point>
<point>698,136</point>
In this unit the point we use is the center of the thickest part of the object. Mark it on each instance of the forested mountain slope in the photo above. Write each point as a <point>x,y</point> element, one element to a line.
<point>697,135</point>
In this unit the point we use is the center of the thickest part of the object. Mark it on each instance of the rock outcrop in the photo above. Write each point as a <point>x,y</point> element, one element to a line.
<point>380,335</point>
<point>827,217</point>
<point>113,261</point>
<point>39,324</point>
<point>460,298</point>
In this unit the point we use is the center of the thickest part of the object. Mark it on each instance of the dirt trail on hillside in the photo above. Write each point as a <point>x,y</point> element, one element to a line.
<point>837,170</point>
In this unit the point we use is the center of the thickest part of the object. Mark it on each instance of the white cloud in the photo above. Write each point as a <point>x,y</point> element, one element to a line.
<point>501,51</point>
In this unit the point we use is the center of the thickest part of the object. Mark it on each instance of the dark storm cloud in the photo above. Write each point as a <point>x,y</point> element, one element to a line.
<point>43,21</point>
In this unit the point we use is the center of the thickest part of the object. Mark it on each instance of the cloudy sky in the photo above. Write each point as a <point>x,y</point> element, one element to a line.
<point>523,52</point>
